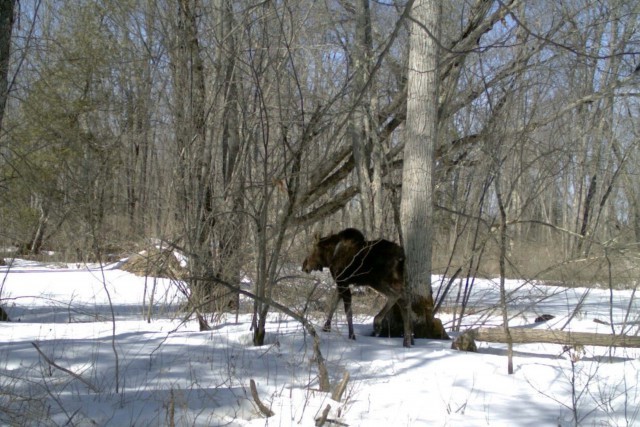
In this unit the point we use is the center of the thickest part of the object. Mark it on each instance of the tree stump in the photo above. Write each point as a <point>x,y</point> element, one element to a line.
<point>4,317</point>
<point>425,325</point>
<point>464,342</point>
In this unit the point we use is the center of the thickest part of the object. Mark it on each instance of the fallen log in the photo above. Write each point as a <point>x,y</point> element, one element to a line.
<point>466,341</point>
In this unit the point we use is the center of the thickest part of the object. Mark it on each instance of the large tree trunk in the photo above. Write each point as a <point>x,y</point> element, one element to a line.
<point>416,208</point>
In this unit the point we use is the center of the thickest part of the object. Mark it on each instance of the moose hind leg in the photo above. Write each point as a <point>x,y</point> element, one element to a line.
<point>377,321</point>
<point>335,300</point>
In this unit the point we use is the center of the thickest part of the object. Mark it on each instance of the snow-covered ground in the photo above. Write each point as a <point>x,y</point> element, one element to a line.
<point>134,372</point>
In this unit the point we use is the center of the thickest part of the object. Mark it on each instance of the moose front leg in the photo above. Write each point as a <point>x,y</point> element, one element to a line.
<point>345,294</point>
<point>405,305</point>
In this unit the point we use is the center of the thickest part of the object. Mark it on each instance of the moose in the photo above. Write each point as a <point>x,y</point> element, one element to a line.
<point>352,260</point>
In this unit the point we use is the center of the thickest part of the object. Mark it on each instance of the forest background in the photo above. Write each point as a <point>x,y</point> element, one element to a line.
<point>234,130</point>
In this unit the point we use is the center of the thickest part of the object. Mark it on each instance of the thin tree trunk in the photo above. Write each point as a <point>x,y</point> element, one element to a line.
<point>229,228</point>
<point>38,235</point>
<point>503,273</point>
<point>6,26</point>
<point>359,129</point>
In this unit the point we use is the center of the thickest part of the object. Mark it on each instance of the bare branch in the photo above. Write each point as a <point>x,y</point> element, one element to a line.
<point>65,370</point>
<point>266,411</point>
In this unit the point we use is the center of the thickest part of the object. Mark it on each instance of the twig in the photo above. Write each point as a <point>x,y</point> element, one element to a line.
<point>171,410</point>
<point>254,393</point>
<point>73,374</point>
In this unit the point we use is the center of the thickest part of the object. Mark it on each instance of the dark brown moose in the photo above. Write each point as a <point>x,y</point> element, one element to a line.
<point>354,261</point>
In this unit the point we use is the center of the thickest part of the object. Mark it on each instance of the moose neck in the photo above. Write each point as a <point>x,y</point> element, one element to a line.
<point>331,246</point>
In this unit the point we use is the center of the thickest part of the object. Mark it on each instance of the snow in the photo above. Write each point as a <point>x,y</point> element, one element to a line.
<point>167,371</point>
